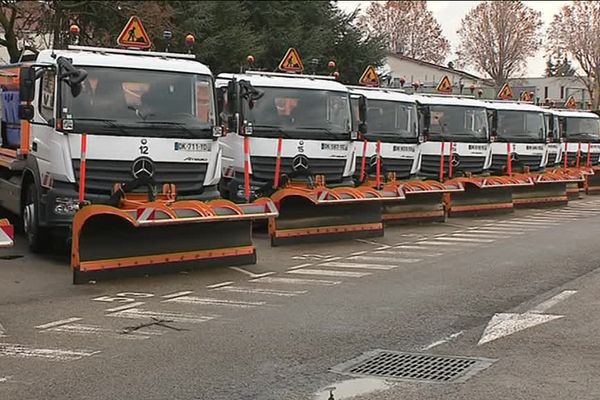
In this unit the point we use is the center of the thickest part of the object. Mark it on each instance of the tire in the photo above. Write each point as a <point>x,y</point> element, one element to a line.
<point>38,238</point>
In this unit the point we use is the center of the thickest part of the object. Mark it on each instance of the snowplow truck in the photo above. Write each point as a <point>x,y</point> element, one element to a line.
<point>291,137</point>
<point>457,151</point>
<point>520,150</point>
<point>118,151</point>
<point>388,157</point>
<point>580,135</point>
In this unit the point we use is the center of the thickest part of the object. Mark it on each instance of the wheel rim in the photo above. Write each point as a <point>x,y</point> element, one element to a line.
<point>28,219</point>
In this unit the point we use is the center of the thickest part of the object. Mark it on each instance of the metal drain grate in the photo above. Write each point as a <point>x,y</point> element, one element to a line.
<point>413,366</point>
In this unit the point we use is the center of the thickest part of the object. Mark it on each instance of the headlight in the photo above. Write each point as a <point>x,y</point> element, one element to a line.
<point>66,205</point>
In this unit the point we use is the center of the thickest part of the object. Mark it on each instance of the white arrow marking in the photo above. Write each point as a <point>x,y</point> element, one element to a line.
<point>251,274</point>
<point>23,351</point>
<point>504,324</point>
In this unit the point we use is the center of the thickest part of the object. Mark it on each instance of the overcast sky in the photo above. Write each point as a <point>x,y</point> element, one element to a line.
<point>450,13</point>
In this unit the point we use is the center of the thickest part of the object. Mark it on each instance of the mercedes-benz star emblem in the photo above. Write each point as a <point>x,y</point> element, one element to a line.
<point>300,162</point>
<point>514,157</point>
<point>142,167</point>
<point>455,160</point>
<point>373,160</point>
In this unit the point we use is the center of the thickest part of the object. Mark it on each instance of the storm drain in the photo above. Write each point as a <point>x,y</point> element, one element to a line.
<point>413,366</point>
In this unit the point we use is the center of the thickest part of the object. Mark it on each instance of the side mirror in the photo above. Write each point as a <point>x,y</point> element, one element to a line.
<point>26,112</point>
<point>362,128</point>
<point>362,110</point>
<point>27,84</point>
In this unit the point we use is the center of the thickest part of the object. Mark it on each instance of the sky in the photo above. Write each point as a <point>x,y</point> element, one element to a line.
<point>450,13</point>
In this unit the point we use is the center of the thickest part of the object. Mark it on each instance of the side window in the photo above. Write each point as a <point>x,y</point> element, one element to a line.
<point>47,84</point>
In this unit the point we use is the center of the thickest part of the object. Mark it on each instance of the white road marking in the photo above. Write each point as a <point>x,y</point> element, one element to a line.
<point>300,266</point>
<point>358,253</point>
<point>531,223</point>
<point>477,234</point>
<point>24,351</point>
<point>504,324</point>
<point>503,228</point>
<point>543,218</point>
<point>442,341</point>
<point>358,265</point>
<point>441,242</point>
<point>251,274</point>
<point>220,284</point>
<point>295,281</point>
<point>136,313</point>
<point>323,272</point>
<point>372,242</point>
<point>178,294</point>
<point>2,331</point>
<point>494,232</point>
<point>412,247</point>
<point>401,260</point>
<point>542,307</point>
<point>408,253</point>
<point>261,291</point>
<point>4,379</point>
<point>57,323</point>
<point>466,240</point>
<point>80,329</point>
<point>126,306</point>
<point>205,301</point>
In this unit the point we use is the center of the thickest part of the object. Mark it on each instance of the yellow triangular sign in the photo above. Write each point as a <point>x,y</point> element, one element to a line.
<point>291,62</point>
<point>445,86</point>
<point>505,93</point>
<point>369,77</point>
<point>527,96</point>
<point>571,103</point>
<point>134,35</point>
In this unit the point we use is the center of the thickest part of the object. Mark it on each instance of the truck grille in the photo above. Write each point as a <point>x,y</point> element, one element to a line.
<point>551,158</point>
<point>572,158</point>
<point>101,175</point>
<point>499,162</point>
<point>263,168</point>
<point>401,167</point>
<point>430,165</point>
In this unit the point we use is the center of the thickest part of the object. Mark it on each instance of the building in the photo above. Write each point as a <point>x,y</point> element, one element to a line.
<point>554,89</point>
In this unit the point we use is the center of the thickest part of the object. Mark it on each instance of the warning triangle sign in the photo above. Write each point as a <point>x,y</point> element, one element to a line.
<point>291,62</point>
<point>134,35</point>
<point>369,77</point>
<point>526,96</point>
<point>505,93</point>
<point>571,103</point>
<point>445,86</point>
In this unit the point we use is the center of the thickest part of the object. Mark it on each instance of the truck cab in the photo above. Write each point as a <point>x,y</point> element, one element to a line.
<point>392,121</point>
<point>456,127</point>
<point>146,116</point>
<point>580,130</point>
<point>309,115</point>
<point>518,129</point>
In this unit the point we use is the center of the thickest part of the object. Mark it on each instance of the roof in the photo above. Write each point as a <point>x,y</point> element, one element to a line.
<point>298,81</point>
<point>449,101</point>
<point>383,94</point>
<point>575,114</point>
<point>122,60</point>
<point>513,106</point>
<point>437,66</point>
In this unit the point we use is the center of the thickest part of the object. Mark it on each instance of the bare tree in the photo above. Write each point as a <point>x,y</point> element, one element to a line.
<point>19,21</point>
<point>576,30</point>
<point>497,37</point>
<point>409,27</point>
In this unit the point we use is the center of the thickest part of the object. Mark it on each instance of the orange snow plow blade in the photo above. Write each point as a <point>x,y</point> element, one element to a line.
<point>7,234</point>
<point>592,181</point>
<point>141,236</point>
<point>550,189</point>
<point>424,202</point>
<point>320,213</point>
<point>484,195</point>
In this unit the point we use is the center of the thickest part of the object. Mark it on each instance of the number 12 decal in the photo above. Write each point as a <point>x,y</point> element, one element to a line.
<point>144,147</point>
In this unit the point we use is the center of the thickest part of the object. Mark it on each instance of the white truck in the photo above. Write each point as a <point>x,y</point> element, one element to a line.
<point>104,122</point>
<point>291,137</point>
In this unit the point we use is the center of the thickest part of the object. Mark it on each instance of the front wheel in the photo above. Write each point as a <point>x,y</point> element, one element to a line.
<point>38,237</point>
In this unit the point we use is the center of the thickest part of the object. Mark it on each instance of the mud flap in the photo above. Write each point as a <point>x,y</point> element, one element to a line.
<point>592,182</point>
<point>7,234</point>
<point>307,219</point>
<point>157,238</point>
<point>541,194</point>
<point>479,199</point>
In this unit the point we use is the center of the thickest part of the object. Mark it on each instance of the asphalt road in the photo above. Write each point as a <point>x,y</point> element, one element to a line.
<point>274,330</point>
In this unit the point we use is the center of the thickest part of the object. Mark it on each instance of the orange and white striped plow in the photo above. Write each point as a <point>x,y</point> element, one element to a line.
<point>7,234</point>
<point>163,235</point>
<point>592,181</point>
<point>484,195</point>
<point>550,188</point>
<point>321,213</point>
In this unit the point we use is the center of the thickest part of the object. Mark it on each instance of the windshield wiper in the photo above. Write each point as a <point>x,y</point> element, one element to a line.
<point>275,128</point>
<point>111,123</point>
<point>157,124</point>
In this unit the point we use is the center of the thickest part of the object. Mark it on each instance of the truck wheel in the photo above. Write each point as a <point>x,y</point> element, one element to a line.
<point>38,238</point>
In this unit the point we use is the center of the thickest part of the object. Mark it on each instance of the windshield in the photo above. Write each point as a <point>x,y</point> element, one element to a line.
<point>312,113</point>
<point>582,127</point>
<point>125,101</point>
<point>392,118</point>
<point>458,122</point>
<point>521,125</point>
